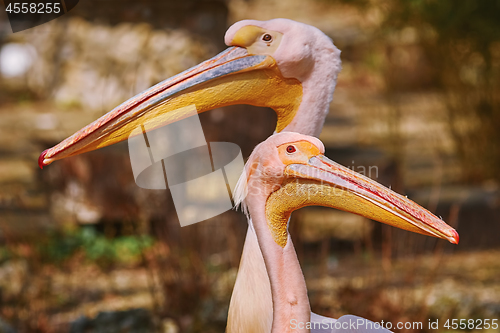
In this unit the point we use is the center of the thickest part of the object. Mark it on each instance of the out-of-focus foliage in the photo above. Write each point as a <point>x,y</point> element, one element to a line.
<point>95,246</point>
<point>357,3</point>
<point>453,20</point>
<point>461,41</point>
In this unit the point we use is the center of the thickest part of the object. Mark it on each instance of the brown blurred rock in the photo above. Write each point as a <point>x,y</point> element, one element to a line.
<point>98,66</point>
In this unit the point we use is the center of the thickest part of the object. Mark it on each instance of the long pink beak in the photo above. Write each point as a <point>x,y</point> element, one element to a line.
<point>205,86</point>
<point>333,185</point>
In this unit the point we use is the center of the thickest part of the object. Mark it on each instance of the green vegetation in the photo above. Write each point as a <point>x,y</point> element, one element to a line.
<point>95,246</point>
<point>460,40</point>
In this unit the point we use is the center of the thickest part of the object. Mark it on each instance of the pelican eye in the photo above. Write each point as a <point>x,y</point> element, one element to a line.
<point>267,38</point>
<point>291,149</point>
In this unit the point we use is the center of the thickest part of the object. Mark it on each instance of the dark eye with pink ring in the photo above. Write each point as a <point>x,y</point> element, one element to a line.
<point>290,149</point>
<point>267,38</point>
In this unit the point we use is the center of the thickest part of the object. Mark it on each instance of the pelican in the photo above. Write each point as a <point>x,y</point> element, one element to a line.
<point>288,66</point>
<point>286,172</point>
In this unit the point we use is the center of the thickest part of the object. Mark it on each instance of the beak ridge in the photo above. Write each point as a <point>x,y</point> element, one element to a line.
<point>370,199</point>
<point>113,126</point>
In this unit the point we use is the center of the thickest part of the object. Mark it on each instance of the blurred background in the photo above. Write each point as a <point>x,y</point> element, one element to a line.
<point>84,249</point>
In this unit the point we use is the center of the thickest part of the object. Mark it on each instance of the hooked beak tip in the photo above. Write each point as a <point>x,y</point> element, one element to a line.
<point>456,237</point>
<point>413,218</point>
<point>41,159</point>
